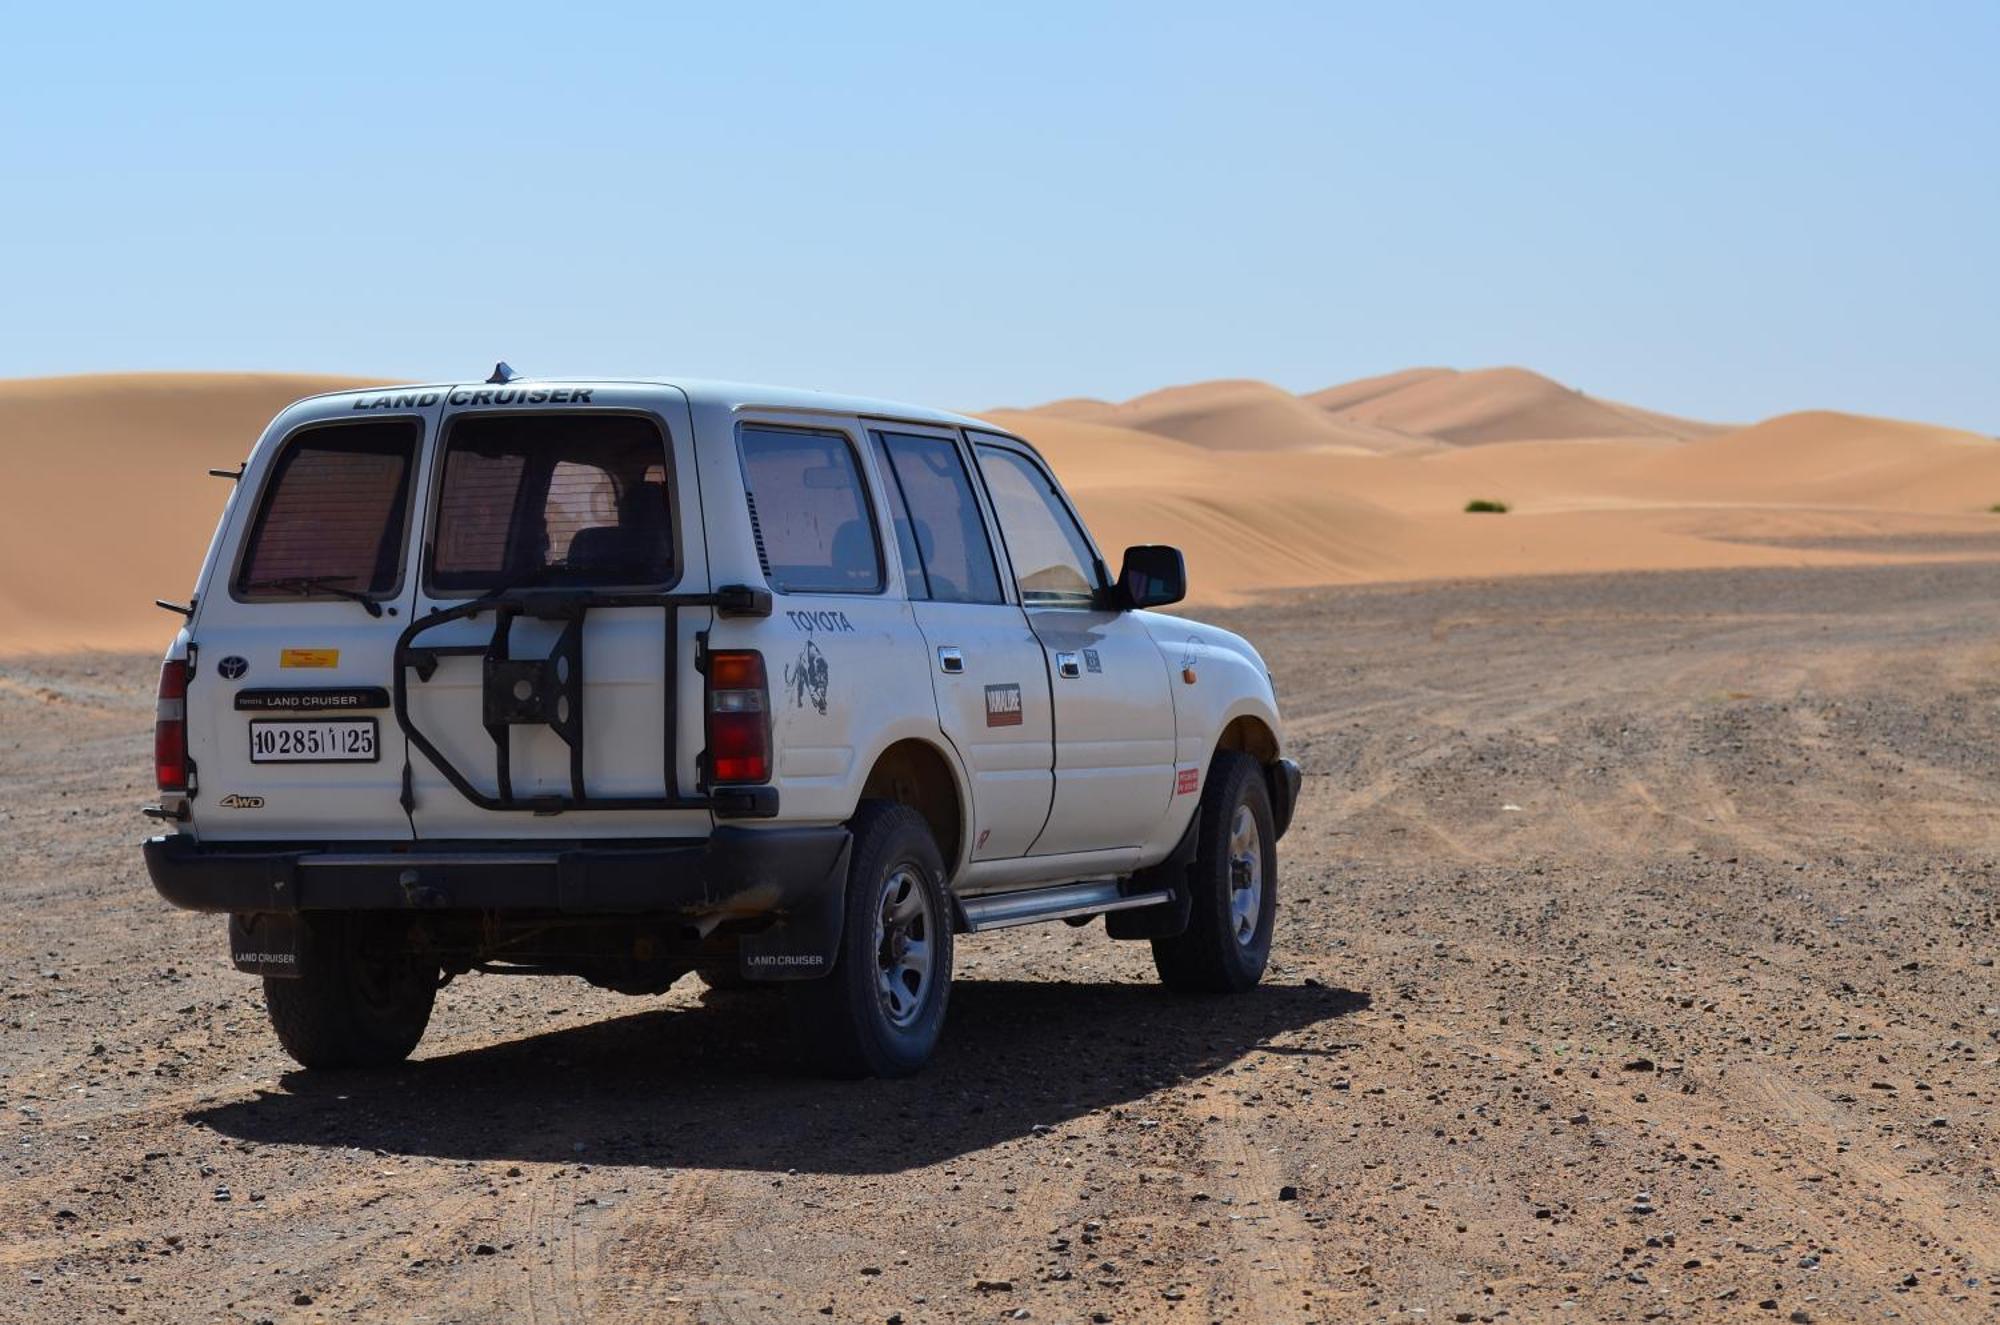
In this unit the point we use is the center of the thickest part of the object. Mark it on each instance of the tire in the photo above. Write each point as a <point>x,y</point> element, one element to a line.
<point>1227,942</point>
<point>879,1011</point>
<point>363,996</point>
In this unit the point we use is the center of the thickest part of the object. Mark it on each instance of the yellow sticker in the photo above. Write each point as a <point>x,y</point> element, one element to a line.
<point>309,657</point>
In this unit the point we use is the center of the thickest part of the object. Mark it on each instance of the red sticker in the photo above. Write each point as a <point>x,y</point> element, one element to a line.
<point>1187,781</point>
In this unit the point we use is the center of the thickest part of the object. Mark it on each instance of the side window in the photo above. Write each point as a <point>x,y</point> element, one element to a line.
<point>332,515</point>
<point>1053,564</point>
<point>940,528</point>
<point>810,513</point>
<point>568,500</point>
<point>916,584</point>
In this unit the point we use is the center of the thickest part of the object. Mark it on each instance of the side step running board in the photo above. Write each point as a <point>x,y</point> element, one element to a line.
<point>1004,910</point>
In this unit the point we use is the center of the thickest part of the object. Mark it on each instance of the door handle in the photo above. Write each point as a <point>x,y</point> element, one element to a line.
<point>1067,665</point>
<point>950,661</point>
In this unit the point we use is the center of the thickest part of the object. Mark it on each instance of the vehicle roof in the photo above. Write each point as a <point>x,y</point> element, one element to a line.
<point>727,395</point>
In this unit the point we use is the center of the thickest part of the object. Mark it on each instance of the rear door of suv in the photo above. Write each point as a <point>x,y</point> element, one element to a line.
<point>988,672</point>
<point>289,724</point>
<point>573,494</point>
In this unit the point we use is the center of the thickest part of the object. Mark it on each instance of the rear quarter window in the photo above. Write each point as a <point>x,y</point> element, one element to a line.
<point>815,531</point>
<point>333,514</point>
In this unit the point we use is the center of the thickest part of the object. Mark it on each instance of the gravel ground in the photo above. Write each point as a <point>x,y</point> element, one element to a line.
<point>1635,961</point>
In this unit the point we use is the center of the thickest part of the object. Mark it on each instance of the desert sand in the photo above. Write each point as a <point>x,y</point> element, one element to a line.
<point>1368,482</point>
<point>108,504</point>
<point>1635,962</point>
<point>1635,959</point>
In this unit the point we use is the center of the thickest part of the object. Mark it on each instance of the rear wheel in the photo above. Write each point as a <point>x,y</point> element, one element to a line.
<point>363,996</point>
<point>1235,883</point>
<point>879,1012</point>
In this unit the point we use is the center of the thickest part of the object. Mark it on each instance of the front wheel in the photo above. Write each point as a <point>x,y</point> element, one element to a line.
<point>363,995</point>
<point>1234,879</point>
<point>879,1012</point>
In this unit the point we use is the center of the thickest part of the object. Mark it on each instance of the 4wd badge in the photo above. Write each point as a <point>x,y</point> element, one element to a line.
<point>236,800</point>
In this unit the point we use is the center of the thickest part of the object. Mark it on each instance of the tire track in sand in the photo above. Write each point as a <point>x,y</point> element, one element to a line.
<point>1269,1259</point>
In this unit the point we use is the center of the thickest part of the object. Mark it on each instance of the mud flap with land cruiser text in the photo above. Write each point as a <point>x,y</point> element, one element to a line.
<point>266,943</point>
<point>802,943</point>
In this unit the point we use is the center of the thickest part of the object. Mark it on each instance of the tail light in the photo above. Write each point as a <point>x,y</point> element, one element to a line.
<point>739,717</point>
<point>170,761</point>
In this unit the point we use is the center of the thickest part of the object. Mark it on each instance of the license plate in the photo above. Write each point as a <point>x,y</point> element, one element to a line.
<point>348,741</point>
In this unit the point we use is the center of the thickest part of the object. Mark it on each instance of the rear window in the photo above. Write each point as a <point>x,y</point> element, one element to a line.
<point>814,531</point>
<point>331,519</point>
<point>562,500</point>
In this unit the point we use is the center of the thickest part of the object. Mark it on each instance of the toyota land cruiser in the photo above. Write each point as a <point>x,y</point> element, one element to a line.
<point>628,679</point>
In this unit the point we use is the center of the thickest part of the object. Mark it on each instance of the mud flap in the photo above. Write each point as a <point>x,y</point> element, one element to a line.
<point>803,942</point>
<point>266,943</point>
<point>1169,918</point>
<point>1282,776</point>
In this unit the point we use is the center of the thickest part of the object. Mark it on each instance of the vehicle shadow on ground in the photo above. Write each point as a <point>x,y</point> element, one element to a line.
<point>714,1087</point>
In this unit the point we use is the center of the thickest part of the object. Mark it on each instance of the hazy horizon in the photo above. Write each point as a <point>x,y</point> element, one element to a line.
<point>1721,213</point>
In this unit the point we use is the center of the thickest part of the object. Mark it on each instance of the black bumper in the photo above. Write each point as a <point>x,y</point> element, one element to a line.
<point>737,871</point>
<point>1284,778</point>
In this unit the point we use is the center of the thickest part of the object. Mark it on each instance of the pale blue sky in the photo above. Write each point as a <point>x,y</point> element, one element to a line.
<point>1725,210</point>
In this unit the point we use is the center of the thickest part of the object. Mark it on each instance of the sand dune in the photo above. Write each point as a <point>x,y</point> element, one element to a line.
<point>1417,409</point>
<point>1822,457</point>
<point>1253,521</point>
<point>1350,395</point>
<point>1076,407</point>
<point>1228,512</point>
<point>1493,405</point>
<point>1238,416</point>
<point>107,504</point>
<point>1631,489</point>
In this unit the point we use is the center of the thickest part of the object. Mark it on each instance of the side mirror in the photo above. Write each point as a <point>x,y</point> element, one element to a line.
<point>1153,576</point>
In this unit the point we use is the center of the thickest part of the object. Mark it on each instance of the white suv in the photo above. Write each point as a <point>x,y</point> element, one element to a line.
<point>627,679</point>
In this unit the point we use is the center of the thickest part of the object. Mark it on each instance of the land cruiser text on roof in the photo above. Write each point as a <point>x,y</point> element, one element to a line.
<point>628,679</point>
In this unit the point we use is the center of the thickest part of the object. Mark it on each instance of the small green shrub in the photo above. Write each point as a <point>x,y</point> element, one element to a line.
<point>1994,508</point>
<point>1481,506</point>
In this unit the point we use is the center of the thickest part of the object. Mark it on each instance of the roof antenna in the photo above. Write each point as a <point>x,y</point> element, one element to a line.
<point>502,373</point>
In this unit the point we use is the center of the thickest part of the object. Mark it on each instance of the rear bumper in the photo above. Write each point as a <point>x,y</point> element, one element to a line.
<point>1284,778</point>
<point>737,871</point>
